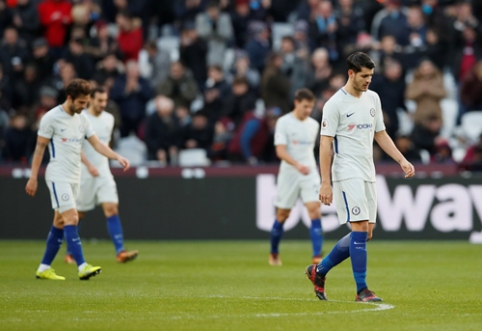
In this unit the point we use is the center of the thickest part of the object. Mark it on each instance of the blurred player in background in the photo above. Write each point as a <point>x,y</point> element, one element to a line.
<point>295,137</point>
<point>352,118</point>
<point>64,129</point>
<point>97,185</point>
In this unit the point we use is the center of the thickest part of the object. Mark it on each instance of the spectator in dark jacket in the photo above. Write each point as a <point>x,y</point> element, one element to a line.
<point>26,20</point>
<point>426,133</point>
<point>180,86</point>
<point>13,52</point>
<point>131,92</point>
<point>258,47</point>
<point>275,86</point>
<point>323,30</point>
<point>199,134</point>
<point>471,91</point>
<point>83,63</point>
<point>193,53</point>
<point>26,89</point>
<point>42,59</point>
<point>241,100</point>
<point>390,86</point>
<point>18,140</point>
<point>216,92</point>
<point>163,135</point>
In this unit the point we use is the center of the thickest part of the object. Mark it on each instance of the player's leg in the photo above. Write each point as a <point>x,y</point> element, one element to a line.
<point>114,227</point>
<point>287,192</point>
<point>316,231</point>
<point>309,194</point>
<point>276,234</point>
<point>69,258</point>
<point>54,241</point>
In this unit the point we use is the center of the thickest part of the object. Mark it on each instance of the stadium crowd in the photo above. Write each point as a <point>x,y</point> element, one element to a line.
<point>214,76</point>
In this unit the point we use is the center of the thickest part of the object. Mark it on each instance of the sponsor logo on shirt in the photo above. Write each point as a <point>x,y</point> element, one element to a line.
<point>352,127</point>
<point>372,112</point>
<point>324,124</point>
<point>301,142</point>
<point>72,140</point>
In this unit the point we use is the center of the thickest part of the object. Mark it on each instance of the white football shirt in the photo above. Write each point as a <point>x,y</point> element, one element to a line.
<point>353,122</point>
<point>103,125</point>
<point>66,134</point>
<point>299,138</point>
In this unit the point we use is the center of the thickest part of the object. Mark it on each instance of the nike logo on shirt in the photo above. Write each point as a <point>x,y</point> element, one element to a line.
<point>348,115</point>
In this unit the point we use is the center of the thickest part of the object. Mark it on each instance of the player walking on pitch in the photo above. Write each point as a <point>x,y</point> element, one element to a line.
<point>97,185</point>
<point>64,129</point>
<point>352,118</point>
<point>295,137</point>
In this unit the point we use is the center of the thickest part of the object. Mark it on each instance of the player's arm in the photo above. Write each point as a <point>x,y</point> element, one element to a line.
<point>326,192</point>
<point>283,154</point>
<point>386,143</point>
<point>105,150</point>
<point>38,156</point>
<point>92,169</point>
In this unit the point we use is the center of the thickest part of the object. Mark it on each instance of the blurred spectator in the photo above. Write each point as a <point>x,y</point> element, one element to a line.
<point>26,20</point>
<point>471,90</point>
<point>275,86</point>
<point>326,94</point>
<point>442,153</point>
<point>159,62</point>
<point>388,50</point>
<point>186,10</point>
<point>417,26</point>
<point>83,63</point>
<point>306,9</point>
<point>240,19</point>
<point>241,100</point>
<point>5,16</point>
<point>390,86</point>
<point>13,52</point>
<point>19,140</point>
<point>281,10</point>
<point>108,69</point>
<point>221,140</point>
<point>269,152</point>
<point>301,36</point>
<point>55,17</point>
<point>258,46</point>
<point>216,91</point>
<point>295,64</point>
<point>215,27</point>
<point>130,36</point>
<point>180,86</point>
<point>323,30</point>
<point>131,93</point>
<point>467,54</point>
<point>260,9</point>
<point>434,50</point>
<point>66,72</point>
<point>42,59</point>
<point>47,100</point>
<point>473,152</point>
<point>26,88</point>
<point>163,136</point>
<point>102,44</point>
<point>242,69</point>
<point>317,78</point>
<point>183,116</point>
<point>407,148</point>
<point>427,90</point>
<point>350,22</point>
<point>426,133</point>
<point>6,91</point>
<point>394,23</point>
<point>193,53</point>
<point>199,134</point>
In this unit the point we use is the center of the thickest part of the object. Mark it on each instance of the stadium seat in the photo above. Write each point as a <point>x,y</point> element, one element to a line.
<point>133,149</point>
<point>471,126</point>
<point>450,110</point>
<point>279,30</point>
<point>171,44</point>
<point>193,158</point>
<point>228,62</point>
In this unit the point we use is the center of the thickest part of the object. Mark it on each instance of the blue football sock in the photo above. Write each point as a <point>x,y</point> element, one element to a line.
<point>358,254</point>
<point>276,234</point>
<point>78,231</point>
<point>338,254</point>
<point>54,241</point>
<point>316,236</point>
<point>114,227</point>
<point>74,244</point>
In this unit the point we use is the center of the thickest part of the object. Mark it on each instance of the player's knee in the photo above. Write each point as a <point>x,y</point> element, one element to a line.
<point>314,214</point>
<point>282,216</point>
<point>111,210</point>
<point>81,215</point>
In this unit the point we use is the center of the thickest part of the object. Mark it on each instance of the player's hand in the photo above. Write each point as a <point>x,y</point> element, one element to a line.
<point>407,168</point>
<point>31,187</point>
<point>93,171</point>
<point>124,162</point>
<point>303,169</point>
<point>326,194</point>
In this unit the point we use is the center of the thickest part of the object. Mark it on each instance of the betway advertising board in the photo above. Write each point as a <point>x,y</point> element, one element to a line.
<point>443,208</point>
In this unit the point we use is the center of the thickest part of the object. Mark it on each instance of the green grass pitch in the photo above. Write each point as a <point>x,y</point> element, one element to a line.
<point>230,286</point>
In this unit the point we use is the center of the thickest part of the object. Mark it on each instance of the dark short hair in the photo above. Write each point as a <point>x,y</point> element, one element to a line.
<point>96,90</point>
<point>304,94</point>
<point>78,88</point>
<point>216,67</point>
<point>240,81</point>
<point>359,60</point>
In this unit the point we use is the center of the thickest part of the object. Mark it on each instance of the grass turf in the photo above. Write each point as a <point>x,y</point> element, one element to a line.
<point>229,286</point>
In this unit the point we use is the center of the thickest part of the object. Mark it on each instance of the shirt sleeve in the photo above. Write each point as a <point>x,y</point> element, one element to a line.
<point>330,120</point>
<point>379,123</point>
<point>280,134</point>
<point>46,128</point>
<point>89,130</point>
